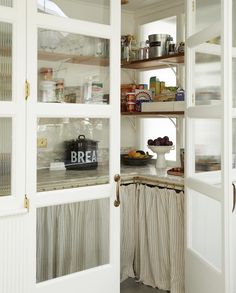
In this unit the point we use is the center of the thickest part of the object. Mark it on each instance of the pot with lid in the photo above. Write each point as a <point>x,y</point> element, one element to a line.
<point>157,43</point>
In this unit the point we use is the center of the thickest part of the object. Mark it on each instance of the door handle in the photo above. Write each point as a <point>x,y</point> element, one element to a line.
<point>117,180</point>
<point>234,197</point>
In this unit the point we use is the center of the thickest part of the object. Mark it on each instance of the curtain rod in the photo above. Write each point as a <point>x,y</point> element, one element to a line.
<point>154,182</point>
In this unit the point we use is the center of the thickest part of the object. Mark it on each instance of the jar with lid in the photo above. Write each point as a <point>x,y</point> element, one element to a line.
<point>46,73</point>
<point>47,91</point>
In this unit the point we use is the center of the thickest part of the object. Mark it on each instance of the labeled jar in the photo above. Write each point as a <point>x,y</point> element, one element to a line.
<point>46,73</point>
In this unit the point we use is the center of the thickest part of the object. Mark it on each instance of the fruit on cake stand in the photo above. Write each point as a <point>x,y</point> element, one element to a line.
<point>161,146</point>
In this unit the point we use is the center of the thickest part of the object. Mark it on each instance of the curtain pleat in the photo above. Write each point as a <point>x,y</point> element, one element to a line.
<point>158,219</point>
<point>128,202</point>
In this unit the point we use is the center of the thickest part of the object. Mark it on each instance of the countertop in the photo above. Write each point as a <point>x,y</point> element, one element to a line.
<point>55,180</point>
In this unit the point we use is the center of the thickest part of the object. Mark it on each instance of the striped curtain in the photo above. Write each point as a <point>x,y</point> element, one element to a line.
<point>72,237</point>
<point>152,236</point>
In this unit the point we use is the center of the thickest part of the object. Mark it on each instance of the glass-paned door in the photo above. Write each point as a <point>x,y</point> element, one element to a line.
<point>208,179</point>
<point>12,106</point>
<point>73,145</point>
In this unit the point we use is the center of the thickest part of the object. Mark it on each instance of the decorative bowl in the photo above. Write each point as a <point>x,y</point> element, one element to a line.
<point>161,151</point>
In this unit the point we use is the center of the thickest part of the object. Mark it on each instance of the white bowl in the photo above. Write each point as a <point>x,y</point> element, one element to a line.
<point>161,151</point>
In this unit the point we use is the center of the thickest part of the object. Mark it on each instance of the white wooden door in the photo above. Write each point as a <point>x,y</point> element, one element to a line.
<point>73,69</point>
<point>209,146</point>
<point>12,106</point>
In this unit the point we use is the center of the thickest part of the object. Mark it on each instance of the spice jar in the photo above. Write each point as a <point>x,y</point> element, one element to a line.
<point>46,73</point>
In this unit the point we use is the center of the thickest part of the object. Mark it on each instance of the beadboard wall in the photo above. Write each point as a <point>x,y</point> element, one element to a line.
<point>14,235</point>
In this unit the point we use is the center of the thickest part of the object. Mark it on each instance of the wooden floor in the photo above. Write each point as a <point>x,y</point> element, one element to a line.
<point>130,286</point>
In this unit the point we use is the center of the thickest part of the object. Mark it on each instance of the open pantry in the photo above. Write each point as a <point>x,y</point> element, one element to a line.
<point>117,146</point>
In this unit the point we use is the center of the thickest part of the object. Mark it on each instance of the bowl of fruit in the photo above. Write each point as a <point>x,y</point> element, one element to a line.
<point>161,146</point>
<point>136,158</point>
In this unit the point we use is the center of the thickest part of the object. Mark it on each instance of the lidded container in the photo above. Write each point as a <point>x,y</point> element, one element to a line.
<point>81,154</point>
<point>157,43</point>
<point>46,73</point>
<point>47,91</point>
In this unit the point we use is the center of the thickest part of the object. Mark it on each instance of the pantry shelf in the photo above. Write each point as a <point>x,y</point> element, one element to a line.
<point>155,63</point>
<point>150,114</point>
<point>76,59</point>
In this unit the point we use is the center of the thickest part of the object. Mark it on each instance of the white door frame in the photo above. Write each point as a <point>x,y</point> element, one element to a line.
<point>104,277</point>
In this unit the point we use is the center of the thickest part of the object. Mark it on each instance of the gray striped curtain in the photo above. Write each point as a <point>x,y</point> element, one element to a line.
<point>72,237</point>
<point>152,236</point>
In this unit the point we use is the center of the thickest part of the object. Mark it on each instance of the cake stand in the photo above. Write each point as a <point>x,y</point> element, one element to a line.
<point>161,151</point>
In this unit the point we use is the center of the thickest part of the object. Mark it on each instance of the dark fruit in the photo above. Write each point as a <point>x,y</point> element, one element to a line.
<point>160,141</point>
<point>156,142</point>
<point>150,142</point>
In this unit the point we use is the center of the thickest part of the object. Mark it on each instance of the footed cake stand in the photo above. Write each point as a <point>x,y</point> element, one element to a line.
<point>161,151</point>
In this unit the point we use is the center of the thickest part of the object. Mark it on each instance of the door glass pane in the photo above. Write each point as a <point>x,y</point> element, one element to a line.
<point>207,13</point>
<point>207,79</point>
<point>5,156</point>
<point>90,10</point>
<point>5,61</point>
<point>207,145</point>
<point>71,238</point>
<point>72,152</point>
<point>72,68</point>
<point>8,3</point>
<point>205,227</point>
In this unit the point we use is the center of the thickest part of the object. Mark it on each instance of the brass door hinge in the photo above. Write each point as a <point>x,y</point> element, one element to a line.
<point>26,202</point>
<point>27,90</point>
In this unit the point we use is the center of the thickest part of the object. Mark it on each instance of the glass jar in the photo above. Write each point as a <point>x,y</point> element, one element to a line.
<point>60,90</point>
<point>46,73</point>
<point>48,91</point>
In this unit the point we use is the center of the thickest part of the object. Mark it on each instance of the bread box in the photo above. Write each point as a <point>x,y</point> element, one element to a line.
<point>81,153</point>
